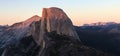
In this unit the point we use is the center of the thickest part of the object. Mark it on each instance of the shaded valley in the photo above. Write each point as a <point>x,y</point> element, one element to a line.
<point>101,37</point>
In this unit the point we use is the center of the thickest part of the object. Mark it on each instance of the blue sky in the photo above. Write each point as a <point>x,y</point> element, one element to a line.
<point>80,11</point>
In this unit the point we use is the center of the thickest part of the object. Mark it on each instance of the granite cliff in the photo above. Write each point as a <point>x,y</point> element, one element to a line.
<point>54,19</point>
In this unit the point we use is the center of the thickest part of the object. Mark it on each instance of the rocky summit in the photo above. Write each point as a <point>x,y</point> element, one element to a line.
<point>52,34</point>
<point>54,19</point>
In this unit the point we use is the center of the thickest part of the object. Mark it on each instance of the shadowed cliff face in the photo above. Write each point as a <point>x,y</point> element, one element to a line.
<point>15,32</point>
<point>12,35</point>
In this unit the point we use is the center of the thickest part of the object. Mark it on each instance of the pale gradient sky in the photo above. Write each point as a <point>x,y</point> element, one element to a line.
<point>80,11</point>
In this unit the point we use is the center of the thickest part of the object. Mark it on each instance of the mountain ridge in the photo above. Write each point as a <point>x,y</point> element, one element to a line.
<point>101,24</point>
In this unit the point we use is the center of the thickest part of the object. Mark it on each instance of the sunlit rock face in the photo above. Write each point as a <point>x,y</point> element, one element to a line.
<point>54,19</point>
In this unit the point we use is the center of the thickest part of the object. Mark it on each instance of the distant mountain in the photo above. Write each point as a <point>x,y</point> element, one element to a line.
<point>109,27</point>
<point>101,24</point>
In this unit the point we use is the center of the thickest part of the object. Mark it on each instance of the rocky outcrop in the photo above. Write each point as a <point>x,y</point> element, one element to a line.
<point>13,34</point>
<point>54,19</point>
